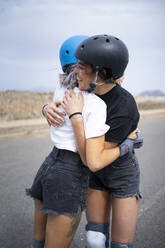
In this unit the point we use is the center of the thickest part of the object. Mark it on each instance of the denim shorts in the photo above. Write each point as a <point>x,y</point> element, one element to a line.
<point>121,178</point>
<point>61,183</point>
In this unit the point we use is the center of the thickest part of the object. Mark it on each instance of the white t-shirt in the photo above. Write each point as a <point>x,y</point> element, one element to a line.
<point>94,117</point>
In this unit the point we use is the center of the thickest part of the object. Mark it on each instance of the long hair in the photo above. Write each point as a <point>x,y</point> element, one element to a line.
<point>69,79</point>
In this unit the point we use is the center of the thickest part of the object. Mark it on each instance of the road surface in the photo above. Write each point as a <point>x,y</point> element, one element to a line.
<point>20,159</point>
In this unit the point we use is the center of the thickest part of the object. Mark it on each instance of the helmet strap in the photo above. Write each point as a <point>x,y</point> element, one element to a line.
<point>93,84</point>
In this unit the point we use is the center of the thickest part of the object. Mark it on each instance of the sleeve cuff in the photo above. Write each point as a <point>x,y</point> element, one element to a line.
<point>90,133</point>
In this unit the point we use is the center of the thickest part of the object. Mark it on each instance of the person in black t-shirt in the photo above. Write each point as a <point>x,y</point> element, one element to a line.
<point>116,186</point>
<point>122,113</point>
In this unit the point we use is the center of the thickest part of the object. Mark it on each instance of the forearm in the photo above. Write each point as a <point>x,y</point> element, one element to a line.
<point>99,157</point>
<point>78,128</point>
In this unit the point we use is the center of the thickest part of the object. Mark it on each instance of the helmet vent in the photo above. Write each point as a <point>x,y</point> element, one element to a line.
<point>82,47</point>
<point>67,52</point>
<point>95,38</point>
<point>107,40</point>
<point>116,38</point>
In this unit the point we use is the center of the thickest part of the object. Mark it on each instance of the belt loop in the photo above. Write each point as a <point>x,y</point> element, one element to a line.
<point>55,152</point>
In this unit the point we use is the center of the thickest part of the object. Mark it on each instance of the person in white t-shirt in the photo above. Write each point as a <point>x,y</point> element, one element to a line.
<point>60,187</point>
<point>94,116</point>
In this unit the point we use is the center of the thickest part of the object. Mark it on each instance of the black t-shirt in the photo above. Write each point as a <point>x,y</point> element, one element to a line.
<point>122,113</point>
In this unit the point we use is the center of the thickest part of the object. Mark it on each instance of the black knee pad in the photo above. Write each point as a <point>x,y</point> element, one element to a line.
<point>119,245</point>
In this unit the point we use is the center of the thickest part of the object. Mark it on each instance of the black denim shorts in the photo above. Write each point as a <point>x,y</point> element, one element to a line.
<point>121,178</point>
<point>61,183</point>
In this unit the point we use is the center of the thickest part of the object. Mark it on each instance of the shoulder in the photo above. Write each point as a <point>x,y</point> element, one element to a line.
<point>125,93</point>
<point>59,92</point>
<point>60,88</point>
<point>93,101</point>
<point>94,107</point>
<point>124,97</point>
<point>121,103</point>
<point>127,104</point>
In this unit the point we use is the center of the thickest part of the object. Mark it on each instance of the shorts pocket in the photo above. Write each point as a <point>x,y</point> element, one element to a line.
<point>125,162</point>
<point>60,182</point>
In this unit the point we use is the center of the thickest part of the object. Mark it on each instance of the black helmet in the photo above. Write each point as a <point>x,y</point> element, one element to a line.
<point>104,51</point>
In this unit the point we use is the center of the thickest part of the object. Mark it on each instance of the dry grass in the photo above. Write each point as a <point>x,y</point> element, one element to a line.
<point>150,103</point>
<point>17,105</point>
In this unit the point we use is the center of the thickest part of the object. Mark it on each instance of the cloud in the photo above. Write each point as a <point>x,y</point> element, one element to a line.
<point>32,31</point>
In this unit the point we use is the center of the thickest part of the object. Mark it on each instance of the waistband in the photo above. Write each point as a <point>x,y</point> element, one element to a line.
<point>71,157</point>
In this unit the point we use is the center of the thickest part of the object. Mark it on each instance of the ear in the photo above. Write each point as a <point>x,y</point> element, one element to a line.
<point>120,80</point>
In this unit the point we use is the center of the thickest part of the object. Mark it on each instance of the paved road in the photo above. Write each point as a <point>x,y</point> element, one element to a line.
<point>19,160</point>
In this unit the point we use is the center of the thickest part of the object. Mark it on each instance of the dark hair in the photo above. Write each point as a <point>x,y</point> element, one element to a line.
<point>105,73</point>
<point>68,68</point>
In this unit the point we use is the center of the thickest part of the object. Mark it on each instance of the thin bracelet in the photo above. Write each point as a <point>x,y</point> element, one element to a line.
<point>43,109</point>
<point>76,113</point>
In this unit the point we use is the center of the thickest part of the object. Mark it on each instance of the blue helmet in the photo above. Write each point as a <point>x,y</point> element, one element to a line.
<point>68,49</point>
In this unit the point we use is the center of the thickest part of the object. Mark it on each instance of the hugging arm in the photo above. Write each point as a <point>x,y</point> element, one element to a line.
<point>53,114</point>
<point>92,150</point>
<point>98,157</point>
<point>78,127</point>
<point>73,104</point>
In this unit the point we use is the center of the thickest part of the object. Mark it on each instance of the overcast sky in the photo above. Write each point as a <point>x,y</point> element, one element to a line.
<point>31,32</point>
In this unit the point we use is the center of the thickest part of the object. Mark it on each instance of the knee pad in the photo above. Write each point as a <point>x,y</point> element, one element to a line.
<point>95,239</point>
<point>38,244</point>
<point>98,228</point>
<point>119,245</point>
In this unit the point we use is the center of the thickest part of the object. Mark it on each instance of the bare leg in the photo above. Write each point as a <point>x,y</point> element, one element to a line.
<point>61,229</point>
<point>40,220</point>
<point>124,214</point>
<point>98,206</point>
<point>98,217</point>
